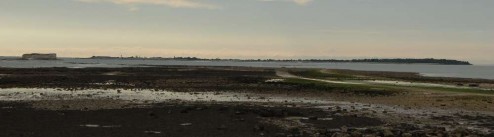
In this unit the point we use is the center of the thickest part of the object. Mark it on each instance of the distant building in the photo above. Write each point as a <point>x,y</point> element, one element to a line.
<point>40,56</point>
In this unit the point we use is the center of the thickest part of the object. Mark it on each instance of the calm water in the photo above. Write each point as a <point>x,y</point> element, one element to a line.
<point>485,72</point>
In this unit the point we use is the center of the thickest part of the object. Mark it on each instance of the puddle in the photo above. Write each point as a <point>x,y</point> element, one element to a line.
<point>332,81</point>
<point>9,107</point>
<point>288,75</point>
<point>186,124</point>
<point>418,84</point>
<point>30,94</point>
<point>99,126</point>
<point>27,94</point>
<point>113,73</point>
<point>90,126</point>
<point>152,132</point>
<point>383,111</point>
<point>274,80</point>
<point>306,118</point>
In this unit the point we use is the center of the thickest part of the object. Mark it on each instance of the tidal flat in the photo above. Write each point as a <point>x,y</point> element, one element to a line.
<point>240,101</point>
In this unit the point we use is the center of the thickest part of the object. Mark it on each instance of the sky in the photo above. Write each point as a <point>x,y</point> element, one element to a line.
<point>279,29</point>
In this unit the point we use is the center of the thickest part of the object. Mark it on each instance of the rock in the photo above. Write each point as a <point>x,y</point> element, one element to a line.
<point>259,128</point>
<point>272,113</point>
<point>441,128</point>
<point>344,129</point>
<point>222,127</point>
<point>418,133</point>
<point>473,85</point>
<point>406,135</point>
<point>186,110</point>
<point>356,133</point>
<point>460,132</point>
<point>313,118</point>
<point>224,108</point>
<point>295,132</point>
<point>241,119</point>
<point>407,127</point>
<point>388,133</point>
<point>333,130</point>
<point>65,107</point>
<point>280,135</point>
<point>151,114</point>
<point>397,131</point>
<point>341,135</point>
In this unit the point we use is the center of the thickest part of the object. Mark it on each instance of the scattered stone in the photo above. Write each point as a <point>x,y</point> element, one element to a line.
<point>387,133</point>
<point>333,130</point>
<point>356,133</point>
<point>460,132</point>
<point>419,133</point>
<point>344,129</point>
<point>406,135</point>
<point>313,118</point>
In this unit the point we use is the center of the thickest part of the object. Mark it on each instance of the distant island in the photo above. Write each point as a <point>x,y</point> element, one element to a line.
<point>384,61</point>
<point>39,56</point>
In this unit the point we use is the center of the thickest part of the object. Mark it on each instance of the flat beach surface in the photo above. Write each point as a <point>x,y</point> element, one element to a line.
<point>239,101</point>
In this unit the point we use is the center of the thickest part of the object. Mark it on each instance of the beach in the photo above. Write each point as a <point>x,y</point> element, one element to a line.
<point>240,101</point>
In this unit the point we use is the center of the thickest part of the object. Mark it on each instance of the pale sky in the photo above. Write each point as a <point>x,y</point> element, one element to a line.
<point>453,29</point>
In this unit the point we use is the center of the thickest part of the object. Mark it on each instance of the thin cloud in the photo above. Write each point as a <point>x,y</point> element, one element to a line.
<point>299,2</point>
<point>171,3</point>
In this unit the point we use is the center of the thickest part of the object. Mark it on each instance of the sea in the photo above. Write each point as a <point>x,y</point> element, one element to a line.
<point>462,71</point>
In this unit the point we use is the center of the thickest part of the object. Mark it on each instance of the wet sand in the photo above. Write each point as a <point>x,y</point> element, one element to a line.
<point>221,101</point>
<point>65,118</point>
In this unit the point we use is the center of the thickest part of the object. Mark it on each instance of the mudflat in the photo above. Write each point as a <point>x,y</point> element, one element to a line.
<point>172,119</point>
<point>239,101</point>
